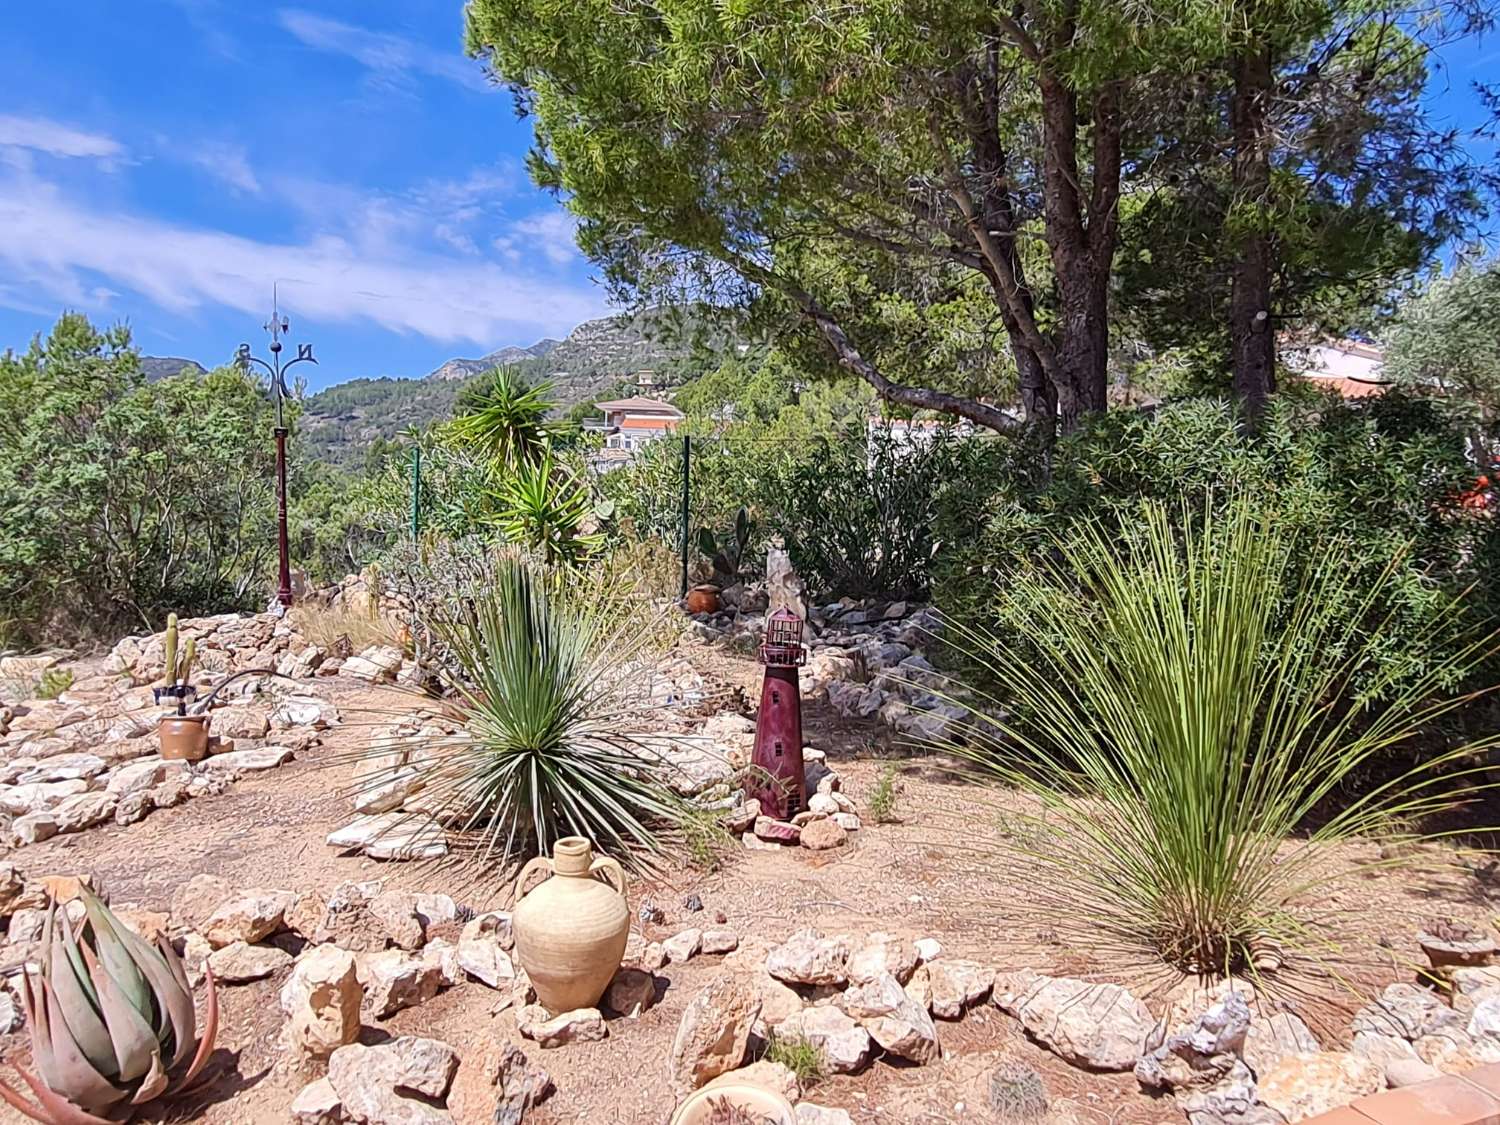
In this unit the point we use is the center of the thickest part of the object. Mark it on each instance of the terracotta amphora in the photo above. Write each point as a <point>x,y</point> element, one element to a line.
<point>570,929</point>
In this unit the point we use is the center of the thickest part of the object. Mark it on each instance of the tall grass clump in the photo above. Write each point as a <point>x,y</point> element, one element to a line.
<point>1188,704</point>
<point>543,670</point>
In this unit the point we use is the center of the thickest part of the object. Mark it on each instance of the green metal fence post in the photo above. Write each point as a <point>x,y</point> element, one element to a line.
<point>687,456</point>
<point>416,492</point>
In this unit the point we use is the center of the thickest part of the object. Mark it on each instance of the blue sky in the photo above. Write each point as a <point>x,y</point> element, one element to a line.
<point>163,162</point>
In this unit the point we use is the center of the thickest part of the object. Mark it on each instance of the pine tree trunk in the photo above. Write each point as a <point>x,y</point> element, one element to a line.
<point>1251,330</point>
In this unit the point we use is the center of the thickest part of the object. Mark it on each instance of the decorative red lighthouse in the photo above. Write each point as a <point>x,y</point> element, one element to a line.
<point>777,778</point>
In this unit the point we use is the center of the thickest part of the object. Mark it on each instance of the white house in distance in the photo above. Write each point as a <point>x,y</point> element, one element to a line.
<point>1351,367</point>
<point>629,424</point>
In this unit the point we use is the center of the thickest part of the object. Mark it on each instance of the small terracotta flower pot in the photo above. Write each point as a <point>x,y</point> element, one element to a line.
<point>742,1095</point>
<point>183,737</point>
<point>703,599</point>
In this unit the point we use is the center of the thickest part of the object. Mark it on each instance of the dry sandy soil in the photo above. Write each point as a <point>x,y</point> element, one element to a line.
<point>931,873</point>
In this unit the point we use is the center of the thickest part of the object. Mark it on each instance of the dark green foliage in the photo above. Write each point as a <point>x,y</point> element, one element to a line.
<point>122,499</point>
<point>1384,473</point>
<point>858,511</point>
<point>339,420</point>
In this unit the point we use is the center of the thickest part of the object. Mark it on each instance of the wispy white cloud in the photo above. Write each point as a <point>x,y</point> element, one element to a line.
<point>551,234</point>
<point>61,249</point>
<point>390,58</point>
<point>228,163</point>
<point>40,134</point>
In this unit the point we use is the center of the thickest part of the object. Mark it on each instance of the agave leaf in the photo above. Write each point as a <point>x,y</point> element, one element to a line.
<point>14,1098</point>
<point>174,999</point>
<point>210,1032</point>
<point>122,969</point>
<point>59,1111</point>
<point>68,1072</point>
<point>153,1084</point>
<point>81,1016</point>
<point>133,1038</point>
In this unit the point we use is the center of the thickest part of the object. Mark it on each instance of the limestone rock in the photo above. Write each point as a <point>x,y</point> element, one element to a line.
<point>823,835</point>
<point>392,836</point>
<point>714,1032</point>
<point>582,1025</point>
<point>250,918</point>
<point>376,664</point>
<point>631,992</point>
<point>63,767</point>
<point>482,950</point>
<point>680,947</point>
<point>956,985</point>
<point>394,979</point>
<point>239,963</point>
<point>1097,1026</point>
<point>305,711</point>
<point>843,1043</point>
<point>1306,1085</point>
<point>318,1104</point>
<point>33,827</point>
<point>83,811</point>
<point>19,800</point>
<point>241,722</point>
<point>1271,1038</point>
<point>258,758</point>
<point>1406,1010</point>
<point>194,902</point>
<point>516,1086</point>
<point>322,1000</point>
<point>908,1031</point>
<point>376,1084</point>
<point>809,958</point>
<point>1471,985</point>
<point>720,941</point>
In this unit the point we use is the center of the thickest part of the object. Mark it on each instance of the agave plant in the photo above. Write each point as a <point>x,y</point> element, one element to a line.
<point>112,1022</point>
<point>546,670</point>
<point>1184,707</point>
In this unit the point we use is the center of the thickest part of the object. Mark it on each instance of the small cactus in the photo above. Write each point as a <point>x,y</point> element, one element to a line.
<point>169,658</point>
<point>1017,1092</point>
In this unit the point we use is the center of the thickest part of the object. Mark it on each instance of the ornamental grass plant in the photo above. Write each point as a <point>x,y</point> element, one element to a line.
<point>1186,732</point>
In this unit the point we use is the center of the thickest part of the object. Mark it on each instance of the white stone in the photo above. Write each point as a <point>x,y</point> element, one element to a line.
<point>394,979</point>
<point>257,758</point>
<point>928,949</point>
<point>305,711</point>
<point>843,1043</point>
<point>1305,1085</point>
<point>681,947</point>
<point>239,963</point>
<point>318,1104</point>
<point>376,1084</point>
<point>249,917</point>
<point>957,984</point>
<point>1098,1026</point>
<point>83,811</point>
<point>322,1000</point>
<point>809,1114</point>
<point>582,1025</point>
<point>809,958</point>
<point>39,796</point>
<point>64,767</point>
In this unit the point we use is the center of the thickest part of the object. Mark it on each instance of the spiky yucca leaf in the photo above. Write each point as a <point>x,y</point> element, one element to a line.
<point>112,1021</point>
<point>545,670</point>
<point>1179,703</point>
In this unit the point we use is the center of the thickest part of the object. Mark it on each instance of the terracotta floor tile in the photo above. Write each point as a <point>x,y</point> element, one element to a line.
<point>1443,1101</point>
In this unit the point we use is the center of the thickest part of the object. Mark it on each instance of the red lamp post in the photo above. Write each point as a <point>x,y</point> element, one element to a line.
<point>278,326</point>
<point>778,780</point>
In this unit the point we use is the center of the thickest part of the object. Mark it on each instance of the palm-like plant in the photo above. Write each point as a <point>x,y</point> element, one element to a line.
<point>112,1022</point>
<point>1182,701</point>
<point>506,420</point>
<point>545,667</point>
<point>542,508</point>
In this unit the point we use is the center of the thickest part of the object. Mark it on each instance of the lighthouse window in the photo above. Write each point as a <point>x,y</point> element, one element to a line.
<point>778,747</point>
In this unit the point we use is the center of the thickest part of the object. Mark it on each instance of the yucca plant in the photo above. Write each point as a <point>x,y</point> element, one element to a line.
<point>544,667</point>
<point>545,510</point>
<point>112,1021</point>
<point>1185,705</point>
<point>506,420</point>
